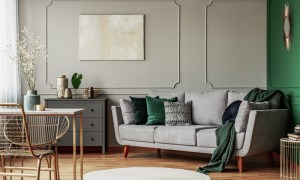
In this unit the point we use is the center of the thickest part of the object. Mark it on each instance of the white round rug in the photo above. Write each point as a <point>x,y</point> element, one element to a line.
<point>145,173</point>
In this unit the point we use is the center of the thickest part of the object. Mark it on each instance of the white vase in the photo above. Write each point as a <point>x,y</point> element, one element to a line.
<point>62,85</point>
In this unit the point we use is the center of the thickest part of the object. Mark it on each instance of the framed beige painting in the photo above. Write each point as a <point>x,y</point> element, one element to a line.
<point>111,37</point>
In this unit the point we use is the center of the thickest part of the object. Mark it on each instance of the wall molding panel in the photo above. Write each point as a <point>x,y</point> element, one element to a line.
<point>168,82</point>
<point>215,37</point>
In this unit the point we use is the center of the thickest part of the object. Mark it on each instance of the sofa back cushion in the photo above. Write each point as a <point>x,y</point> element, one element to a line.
<point>235,96</point>
<point>207,107</point>
<point>168,95</point>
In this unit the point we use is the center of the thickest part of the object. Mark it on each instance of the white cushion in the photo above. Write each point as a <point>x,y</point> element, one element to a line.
<point>207,107</point>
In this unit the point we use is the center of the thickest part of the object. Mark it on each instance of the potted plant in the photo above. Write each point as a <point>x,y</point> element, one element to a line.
<point>76,81</point>
<point>25,55</point>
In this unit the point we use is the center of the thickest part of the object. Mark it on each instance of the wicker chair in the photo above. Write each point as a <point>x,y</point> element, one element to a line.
<point>28,136</point>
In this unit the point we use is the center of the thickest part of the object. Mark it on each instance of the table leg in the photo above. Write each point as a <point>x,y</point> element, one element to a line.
<point>81,145</point>
<point>74,147</point>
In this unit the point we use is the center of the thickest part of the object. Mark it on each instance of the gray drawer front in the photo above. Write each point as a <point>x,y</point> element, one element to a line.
<point>92,109</point>
<point>89,139</point>
<point>89,124</point>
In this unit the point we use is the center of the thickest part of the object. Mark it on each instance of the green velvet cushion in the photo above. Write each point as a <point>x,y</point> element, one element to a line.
<point>140,109</point>
<point>156,110</point>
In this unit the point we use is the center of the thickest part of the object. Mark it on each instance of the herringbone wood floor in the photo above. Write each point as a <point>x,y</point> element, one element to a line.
<point>256,167</point>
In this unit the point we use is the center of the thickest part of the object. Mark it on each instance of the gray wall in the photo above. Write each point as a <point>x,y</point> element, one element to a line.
<point>195,46</point>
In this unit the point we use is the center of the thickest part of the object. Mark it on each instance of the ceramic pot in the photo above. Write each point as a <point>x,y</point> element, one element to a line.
<point>31,99</point>
<point>68,93</point>
<point>62,85</point>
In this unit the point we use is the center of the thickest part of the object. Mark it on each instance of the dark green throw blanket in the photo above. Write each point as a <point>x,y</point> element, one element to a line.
<point>226,133</point>
<point>259,95</point>
<point>222,154</point>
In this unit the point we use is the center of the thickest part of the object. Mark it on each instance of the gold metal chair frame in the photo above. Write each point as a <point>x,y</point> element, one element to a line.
<point>29,136</point>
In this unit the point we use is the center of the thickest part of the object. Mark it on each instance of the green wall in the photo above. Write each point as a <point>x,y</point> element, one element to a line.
<point>284,66</point>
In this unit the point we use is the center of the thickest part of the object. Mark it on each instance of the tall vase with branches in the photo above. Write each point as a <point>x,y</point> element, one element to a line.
<point>28,52</point>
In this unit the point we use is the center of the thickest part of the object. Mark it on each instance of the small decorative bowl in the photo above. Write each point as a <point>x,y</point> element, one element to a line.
<point>297,131</point>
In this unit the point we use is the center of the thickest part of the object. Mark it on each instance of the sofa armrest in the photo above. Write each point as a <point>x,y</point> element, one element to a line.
<point>264,130</point>
<point>117,120</point>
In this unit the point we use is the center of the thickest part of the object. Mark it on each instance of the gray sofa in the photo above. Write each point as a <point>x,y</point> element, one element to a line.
<point>264,129</point>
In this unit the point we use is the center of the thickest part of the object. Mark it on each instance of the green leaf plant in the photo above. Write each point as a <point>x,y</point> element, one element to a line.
<point>76,80</point>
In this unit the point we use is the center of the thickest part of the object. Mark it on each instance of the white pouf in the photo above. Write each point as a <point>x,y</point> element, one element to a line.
<point>145,173</point>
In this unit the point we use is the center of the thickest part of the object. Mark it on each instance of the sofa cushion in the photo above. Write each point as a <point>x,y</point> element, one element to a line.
<point>178,114</point>
<point>207,107</point>
<point>141,133</point>
<point>140,109</point>
<point>183,135</point>
<point>207,138</point>
<point>156,110</point>
<point>234,96</point>
<point>231,111</point>
<point>242,117</point>
<point>127,111</point>
<point>168,94</point>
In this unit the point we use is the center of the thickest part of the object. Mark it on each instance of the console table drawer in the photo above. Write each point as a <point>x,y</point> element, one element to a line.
<point>94,121</point>
<point>89,139</point>
<point>89,124</point>
<point>91,109</point>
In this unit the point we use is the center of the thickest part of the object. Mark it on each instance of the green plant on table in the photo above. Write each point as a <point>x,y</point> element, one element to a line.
<point>76,80</point>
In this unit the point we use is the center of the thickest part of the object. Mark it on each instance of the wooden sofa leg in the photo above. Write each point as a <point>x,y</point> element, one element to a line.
<point>270,158</point>
<point>158,152</point>
<point>240,161</point>
<point>126,150</point>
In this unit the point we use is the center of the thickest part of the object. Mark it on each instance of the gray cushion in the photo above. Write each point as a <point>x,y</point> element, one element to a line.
<point>168,95</point>
<point>178,114</point>
<point>141,133</point>
<point>241,119</point>
<point>127,111</point>
<point>207,107</point>
<point>207,138</point>
<point>234,96</point>
<point>183,135</point>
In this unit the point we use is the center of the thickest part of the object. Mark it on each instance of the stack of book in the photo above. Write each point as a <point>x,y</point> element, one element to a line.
<point>294,137</point>
<point>85,93</point>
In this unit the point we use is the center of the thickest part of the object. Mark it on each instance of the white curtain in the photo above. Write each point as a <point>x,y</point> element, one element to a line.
<point>10,83</point>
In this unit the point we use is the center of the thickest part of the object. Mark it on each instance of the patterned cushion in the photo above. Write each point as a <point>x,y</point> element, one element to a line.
<point>127,111</point>
<point>241,119</point>
<point>178,114</point>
